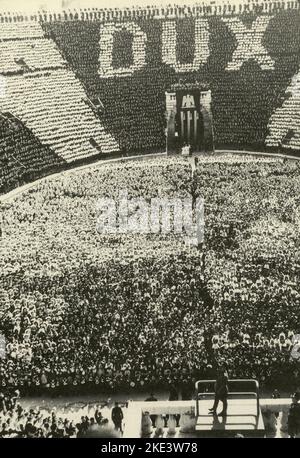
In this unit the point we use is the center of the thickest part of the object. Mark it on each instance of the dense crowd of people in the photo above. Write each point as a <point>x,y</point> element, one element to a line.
<point>231,54</point>
<point>83,311</point>
<point>39,93</point>
<point>23,158</point>
<point>19,421</point>
<point>77,105</point>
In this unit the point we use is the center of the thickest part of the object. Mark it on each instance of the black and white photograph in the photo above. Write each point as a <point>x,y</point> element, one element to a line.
<point>150,223</point>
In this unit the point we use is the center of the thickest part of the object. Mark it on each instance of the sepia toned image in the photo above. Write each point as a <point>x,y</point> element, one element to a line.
<point>150,218</point>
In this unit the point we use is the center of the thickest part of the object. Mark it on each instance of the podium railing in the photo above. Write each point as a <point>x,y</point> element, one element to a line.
<point>242,382</point>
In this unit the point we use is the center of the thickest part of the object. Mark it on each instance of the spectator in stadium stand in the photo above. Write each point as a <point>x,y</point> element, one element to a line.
<point>117,417</point>
<point>294,416</point>
<point>221,393</point>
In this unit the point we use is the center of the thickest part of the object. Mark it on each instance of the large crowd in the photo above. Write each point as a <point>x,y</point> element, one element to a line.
<point>73,105</point>
<point>46,118</point>
<point>83,311</point>
<point>65,421</point>
<point>240,57</point>
<point>23,158</point>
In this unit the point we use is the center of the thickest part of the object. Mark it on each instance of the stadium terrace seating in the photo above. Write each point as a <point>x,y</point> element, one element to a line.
<point>52,66</point>
<point>246,58</point>
<point>20,30</point>
<point>49,102</point>
<point>52,106</point>
<point>35,55</point>
<point>22,156</point>
<point>284,124</point>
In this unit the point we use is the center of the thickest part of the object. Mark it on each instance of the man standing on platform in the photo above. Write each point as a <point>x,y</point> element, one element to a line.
<point>221,393</point>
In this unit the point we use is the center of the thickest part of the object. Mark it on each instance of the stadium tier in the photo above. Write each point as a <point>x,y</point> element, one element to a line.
<point>90,83</point>
<point>24,158</point>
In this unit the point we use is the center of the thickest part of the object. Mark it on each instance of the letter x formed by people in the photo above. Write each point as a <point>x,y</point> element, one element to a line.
<point>249,43</point>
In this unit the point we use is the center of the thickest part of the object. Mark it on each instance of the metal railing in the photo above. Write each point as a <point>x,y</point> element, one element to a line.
<point>230,393</point>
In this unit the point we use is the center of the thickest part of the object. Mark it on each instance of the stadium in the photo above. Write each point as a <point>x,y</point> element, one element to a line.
<point>163,102</point>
